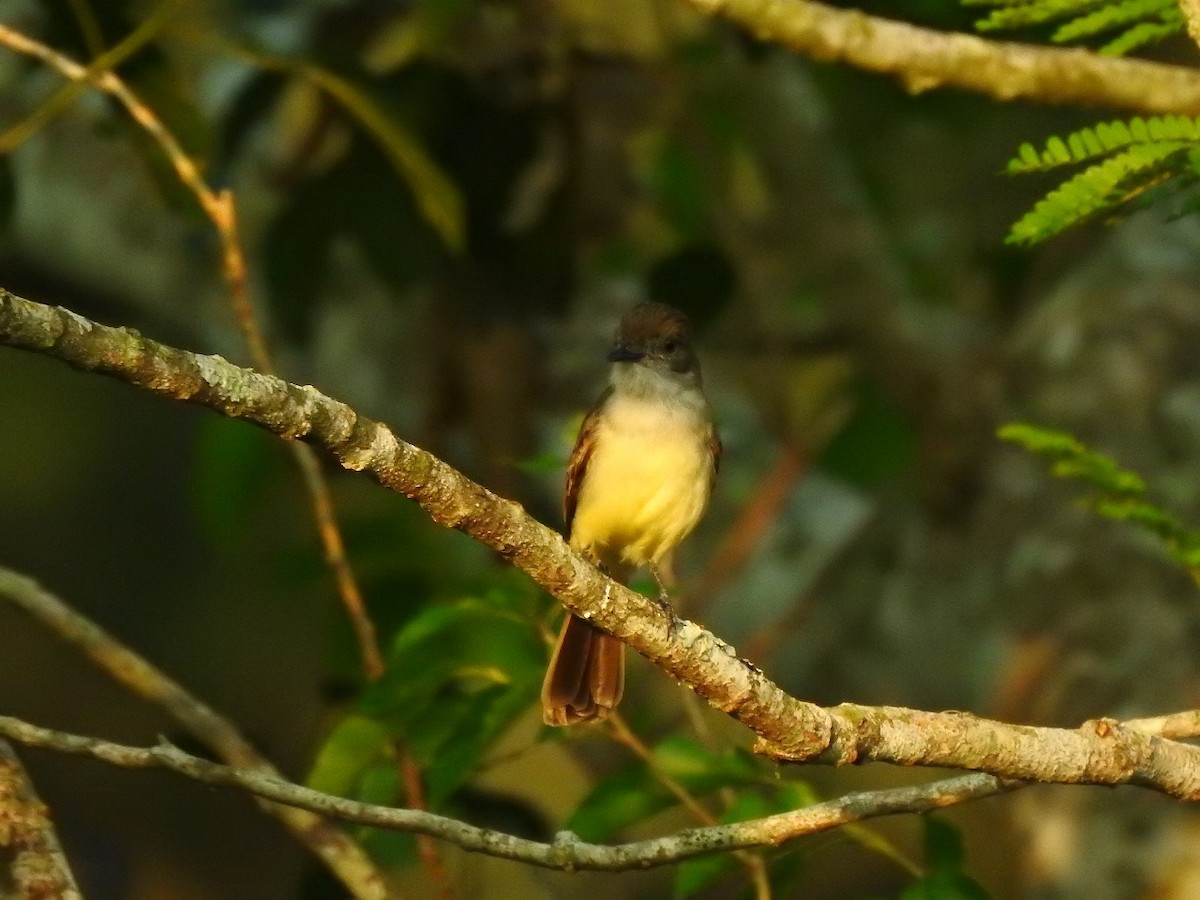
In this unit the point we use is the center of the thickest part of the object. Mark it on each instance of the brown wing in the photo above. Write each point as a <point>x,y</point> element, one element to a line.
<point>577,465</point>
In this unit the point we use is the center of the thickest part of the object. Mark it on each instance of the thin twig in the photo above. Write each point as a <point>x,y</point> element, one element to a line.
<point>344,857</point>
<point>220,208</point>
<point>567,852</point>
<point>755,865</point>
<point>37,866</point>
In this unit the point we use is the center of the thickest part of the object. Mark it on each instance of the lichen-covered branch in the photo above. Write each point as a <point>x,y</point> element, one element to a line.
<point>343,856</point>
<point>567,851</point>
<point>924,59</point>
<point>1100,752</point>
<point>29,848</point>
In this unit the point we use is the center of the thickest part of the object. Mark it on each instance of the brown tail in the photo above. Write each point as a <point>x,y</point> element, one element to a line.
<point>586,677</point>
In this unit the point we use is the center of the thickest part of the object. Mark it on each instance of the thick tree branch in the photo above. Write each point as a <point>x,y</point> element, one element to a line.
<point>567,851</point>
<point>29,848</point>
<point>344,857</point>
<point>924,59</point>
<point>1100,752</point>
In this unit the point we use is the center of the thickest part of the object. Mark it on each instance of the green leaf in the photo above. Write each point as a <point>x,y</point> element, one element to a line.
<point>436,195</point>
<point>678,183</point>
<point>635,792</point>
<point>695,874</point>
<point>231,469</point>
<point>355,745</point>
<point>878,443</point>
<point>542,464</point>
<point>945,886</point>
<point>458,676</point>
<point>360,199</point>
<point>945,857</point>
<point>943,844</point>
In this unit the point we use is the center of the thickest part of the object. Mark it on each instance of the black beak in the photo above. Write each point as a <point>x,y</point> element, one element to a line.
<point>621,353</point>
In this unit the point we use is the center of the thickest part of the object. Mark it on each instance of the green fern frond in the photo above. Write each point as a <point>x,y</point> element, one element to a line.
<point>1151,20</point>
<point>1102,139</point>
<point>1108,17</point>
<point>1073,459</point>
<point>1095,189</point>
<point>1170,25</point>
<point>1120,492</point>
<point>1035,12</point>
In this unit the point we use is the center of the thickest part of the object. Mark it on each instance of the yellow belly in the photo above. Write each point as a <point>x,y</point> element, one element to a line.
<point>646,485</point>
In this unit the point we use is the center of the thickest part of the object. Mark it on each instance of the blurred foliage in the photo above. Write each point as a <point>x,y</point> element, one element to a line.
<point>1120,494</point>
<point>945,858</point>
<point>636,792</point>
<point>786,867</point>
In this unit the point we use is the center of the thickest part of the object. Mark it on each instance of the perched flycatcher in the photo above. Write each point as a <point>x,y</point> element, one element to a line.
<point>638,481</point>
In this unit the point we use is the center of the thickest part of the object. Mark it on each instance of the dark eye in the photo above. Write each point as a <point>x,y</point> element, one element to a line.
<point>670,346</point>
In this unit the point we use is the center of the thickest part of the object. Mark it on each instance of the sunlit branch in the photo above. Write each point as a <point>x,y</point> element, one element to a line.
<point>925,59</point>
<point>1099,752</point>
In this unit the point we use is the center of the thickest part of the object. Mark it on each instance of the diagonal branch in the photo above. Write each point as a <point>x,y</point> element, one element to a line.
<point>567,852</point>
<point>924,59</point>
<point>1099,752</point>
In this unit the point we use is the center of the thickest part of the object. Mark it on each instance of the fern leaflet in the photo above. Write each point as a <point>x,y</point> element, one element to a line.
<point>1145,21</point>
<point>1120,493</point>
<point>1102,139</point>
<point>1106,18</point>
<point>1036,12</point>
<point>1145,33</point>
<point>1100,187</point>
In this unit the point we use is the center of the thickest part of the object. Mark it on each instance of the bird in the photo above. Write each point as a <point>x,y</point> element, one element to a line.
<point>638,481</point>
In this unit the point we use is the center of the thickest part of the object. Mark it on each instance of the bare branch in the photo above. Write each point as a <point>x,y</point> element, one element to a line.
<point>221,210</point>
<point>1100,752</point>
<point>27,840</point>
<point>567,852</point>
<point>339,851</point>
<point>924,59</point>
